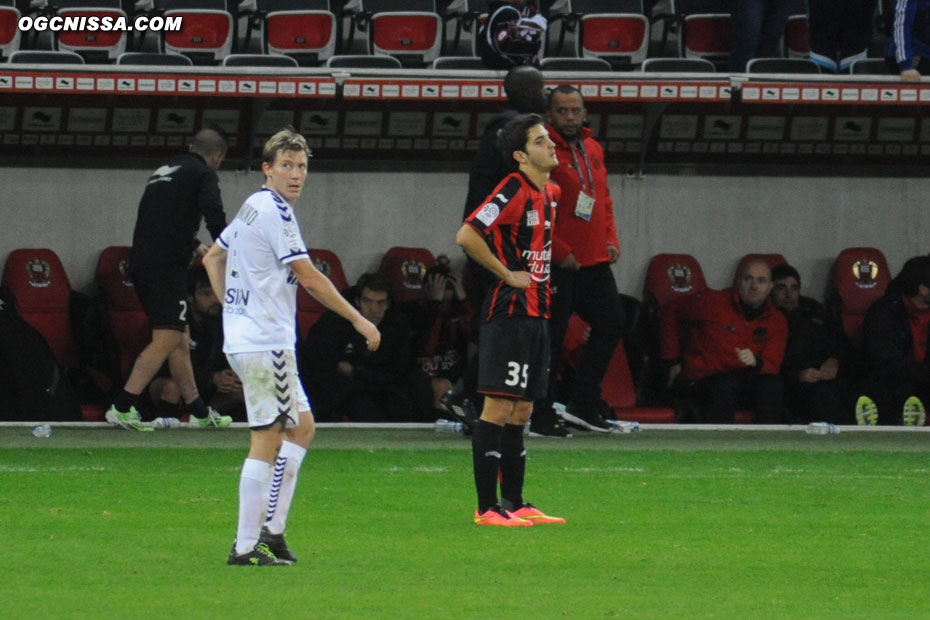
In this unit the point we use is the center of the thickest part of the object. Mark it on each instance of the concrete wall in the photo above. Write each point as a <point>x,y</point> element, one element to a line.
<point>359,215</point>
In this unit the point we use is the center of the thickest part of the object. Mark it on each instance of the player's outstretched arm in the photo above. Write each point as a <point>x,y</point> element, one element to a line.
<point>325,292</point>
<point>214,261</point>
<point>476,247</point>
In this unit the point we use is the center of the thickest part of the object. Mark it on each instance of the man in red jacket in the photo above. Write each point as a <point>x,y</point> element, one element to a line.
<point>584,246</point>
<point>736,342</point>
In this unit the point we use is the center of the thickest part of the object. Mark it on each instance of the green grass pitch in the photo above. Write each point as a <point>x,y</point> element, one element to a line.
<point>99,523</point>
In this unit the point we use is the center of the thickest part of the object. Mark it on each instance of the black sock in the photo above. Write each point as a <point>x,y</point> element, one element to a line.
<point>486,457</point>
<point>125,400</point>
<point>197,408</point>
<point>513,466</point>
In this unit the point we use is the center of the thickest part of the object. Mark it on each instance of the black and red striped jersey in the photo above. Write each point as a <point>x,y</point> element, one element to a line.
<point>516,221</point>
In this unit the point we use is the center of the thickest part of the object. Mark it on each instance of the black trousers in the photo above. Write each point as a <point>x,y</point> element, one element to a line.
<point>825,401</point>
<point>592,293</point>
<point>714,398</point>
<point>839,29</point>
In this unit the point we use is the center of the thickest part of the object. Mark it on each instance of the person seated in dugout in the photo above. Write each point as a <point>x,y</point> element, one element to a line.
<point>733,354</point>
<point>440,324</point>
<point>347,382</point>
<point>895,334</point>
<point>816,377</point>
<point>217,383</point>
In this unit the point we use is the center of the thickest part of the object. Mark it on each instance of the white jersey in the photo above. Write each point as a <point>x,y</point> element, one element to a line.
<point>260,302</point>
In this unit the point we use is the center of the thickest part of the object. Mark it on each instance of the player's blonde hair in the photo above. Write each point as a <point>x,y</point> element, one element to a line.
<point>285,140</point>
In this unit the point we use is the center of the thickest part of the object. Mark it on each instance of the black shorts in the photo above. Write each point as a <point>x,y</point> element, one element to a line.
<point>513,358</point>
<point>163,293</point>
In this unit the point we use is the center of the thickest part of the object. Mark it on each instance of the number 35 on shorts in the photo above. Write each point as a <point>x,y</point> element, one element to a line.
<point>517,374</point>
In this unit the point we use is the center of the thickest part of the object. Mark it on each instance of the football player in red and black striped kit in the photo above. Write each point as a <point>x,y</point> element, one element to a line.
<point>510,235</point>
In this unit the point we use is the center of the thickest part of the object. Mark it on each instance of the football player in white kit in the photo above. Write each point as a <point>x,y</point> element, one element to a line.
<point>254,268</point>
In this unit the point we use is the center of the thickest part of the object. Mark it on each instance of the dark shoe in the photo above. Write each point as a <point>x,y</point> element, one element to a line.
<point>548,426</point>
<point>584,417</point>
<point>461,409</point>
<point>260,555</point>
<point>277,546</point>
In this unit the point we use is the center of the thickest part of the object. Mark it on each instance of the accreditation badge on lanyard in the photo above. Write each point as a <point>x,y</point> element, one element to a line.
<point>584,206</point>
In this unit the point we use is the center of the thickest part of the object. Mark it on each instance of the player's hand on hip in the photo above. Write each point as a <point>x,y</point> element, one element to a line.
<point>519,279</point>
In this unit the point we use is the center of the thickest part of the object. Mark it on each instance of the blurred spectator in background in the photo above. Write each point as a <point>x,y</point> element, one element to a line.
<point>736,342</point>
<point>344,379</point>
<point>811,368</point>
<point>895,336</point>
<point>513,34</point>
<point>907,24</point>
<point>217,383</point>
<point>839,31</point>
<point>440,323</point>
<point>757,26</point>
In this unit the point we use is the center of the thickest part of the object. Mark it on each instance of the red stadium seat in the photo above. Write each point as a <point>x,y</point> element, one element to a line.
<point>127,320</point>
<point>705,35</point>
<point>617,388</point>
<point>9,30</point>
<point>414,35</point>
<point>614,35</point>
<point>673,275</point>
<point>771,259</point>
<point>405,268</point>
<point>308,308</point>
<point>860,276</point>
<point>203,32</point>
<point>300,33</point>
<point>38,280</point>
<point>797,44</point>
<point>108,43</point>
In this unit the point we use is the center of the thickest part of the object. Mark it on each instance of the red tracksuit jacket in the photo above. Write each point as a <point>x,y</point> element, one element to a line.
<point>717,327</point>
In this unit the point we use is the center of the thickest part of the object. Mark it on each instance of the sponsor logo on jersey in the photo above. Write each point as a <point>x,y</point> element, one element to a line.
<point>532,218</point>
<point>538,261</point>
<point>237,297</point>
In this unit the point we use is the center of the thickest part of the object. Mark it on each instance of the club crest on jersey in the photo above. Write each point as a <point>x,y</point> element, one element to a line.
<point>488,213</point>
<point>39,273</point>
<point>679,278</point>
<point>124,273</point>
<point>412,272</point>
<point>532,218</point>
<point>866,272</point>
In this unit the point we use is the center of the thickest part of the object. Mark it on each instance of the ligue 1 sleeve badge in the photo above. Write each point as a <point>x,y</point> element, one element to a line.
<point>39,273</point>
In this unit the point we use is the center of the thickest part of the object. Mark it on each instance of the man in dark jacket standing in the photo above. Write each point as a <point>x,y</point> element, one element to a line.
<point>895,336</point>
<point>177,197</point>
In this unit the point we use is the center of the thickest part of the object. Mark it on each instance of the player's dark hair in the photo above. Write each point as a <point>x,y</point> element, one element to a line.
<point>514,134</point>
<point>916,271</point>
<point>784,270</point>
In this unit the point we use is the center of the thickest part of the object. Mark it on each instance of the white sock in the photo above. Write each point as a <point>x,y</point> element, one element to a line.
<point>290,456</point>
<point>254,486</point>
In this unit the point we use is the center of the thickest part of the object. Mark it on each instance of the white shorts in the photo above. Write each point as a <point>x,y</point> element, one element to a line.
<point>271,386</point>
